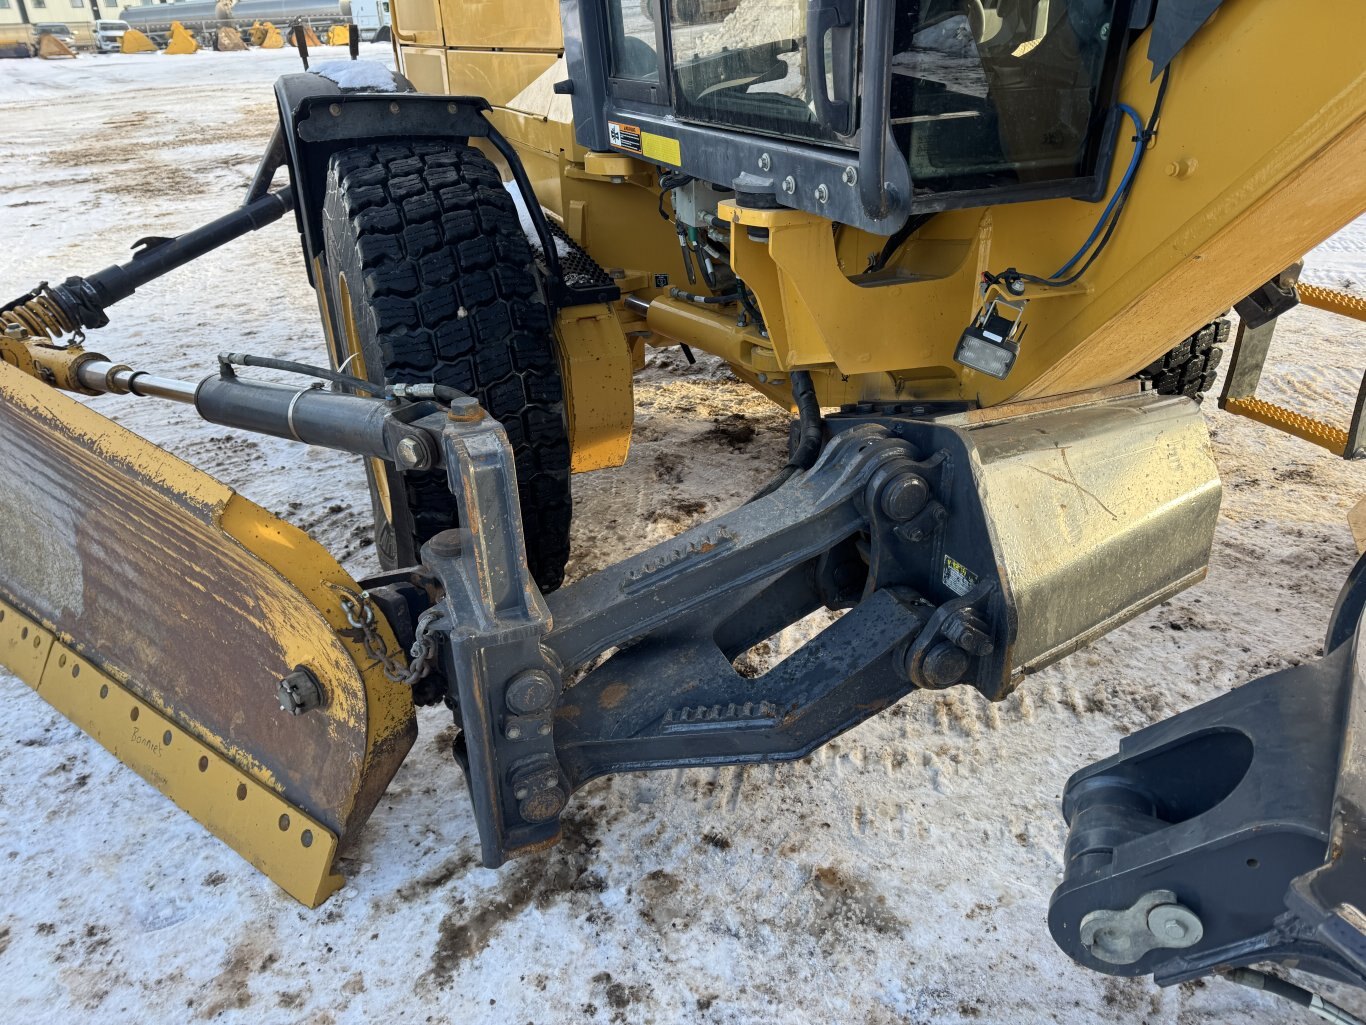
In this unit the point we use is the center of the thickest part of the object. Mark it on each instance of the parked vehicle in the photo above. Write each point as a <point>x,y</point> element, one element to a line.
<point>109,36</point>
<point>56,29</point>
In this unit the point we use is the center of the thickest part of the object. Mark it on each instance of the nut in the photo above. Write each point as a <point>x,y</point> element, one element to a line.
<point>299,692</point>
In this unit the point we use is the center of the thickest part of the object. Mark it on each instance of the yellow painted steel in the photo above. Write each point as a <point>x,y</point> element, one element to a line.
<point>266,36</point>
<point>182,40</point>
<point>49,46</point>
<point>499,25</point>
<point>1332,301</point>
<point>285,843</point>
<point>134,41</point>
<point>339,35</point>
<point>595,363</point>
<point>194,600</point>
<point>496,75</point>
<point>1304,427</point>
<point>1256,160</point>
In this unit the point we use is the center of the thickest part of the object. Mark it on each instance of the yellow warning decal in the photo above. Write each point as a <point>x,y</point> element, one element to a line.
<point>630,138</point>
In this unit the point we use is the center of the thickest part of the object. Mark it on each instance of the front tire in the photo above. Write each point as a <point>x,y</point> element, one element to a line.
<point>430,275</point>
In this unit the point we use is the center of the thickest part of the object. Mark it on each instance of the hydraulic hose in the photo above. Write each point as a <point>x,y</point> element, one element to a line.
<point>810,433</point>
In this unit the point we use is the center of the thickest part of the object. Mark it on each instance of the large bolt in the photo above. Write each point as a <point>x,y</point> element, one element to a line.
<point>969,633</point>
<point>412,453</point>
<point>789,185</point>
<point>299,692</point>
<point>15,331</point>
<point>531,691</point>
<point>445,544</point>
<point>541,805</point>
<point>945,664</point>
<point>904,495</point>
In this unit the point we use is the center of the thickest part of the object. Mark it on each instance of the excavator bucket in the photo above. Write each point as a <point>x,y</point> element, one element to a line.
<point>270,38</point>
<point>310,37</point>
<point>339,35</point>
<point>182,40</point>
<point>165,632</point>
<point>229,39</point>
<point>136,42</point>
<point>50,46</point>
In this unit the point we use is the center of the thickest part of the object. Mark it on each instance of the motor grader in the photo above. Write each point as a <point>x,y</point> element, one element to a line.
<point>981,249</point>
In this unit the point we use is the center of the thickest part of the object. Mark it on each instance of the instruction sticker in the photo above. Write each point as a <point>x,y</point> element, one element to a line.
<point>624,136</point>
<point>957,577</point>
<point>633,140</point>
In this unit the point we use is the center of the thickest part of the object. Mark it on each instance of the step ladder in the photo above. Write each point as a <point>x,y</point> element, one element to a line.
<point>1245,372</point>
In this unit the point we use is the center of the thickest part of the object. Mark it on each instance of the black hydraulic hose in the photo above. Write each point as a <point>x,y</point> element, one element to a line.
<point>1305,998</point>
<point>246,359</point>
<point>810,433</point>
<point>707,300</point>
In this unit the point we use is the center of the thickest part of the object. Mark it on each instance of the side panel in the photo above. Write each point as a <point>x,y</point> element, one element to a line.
<point>417,23</point>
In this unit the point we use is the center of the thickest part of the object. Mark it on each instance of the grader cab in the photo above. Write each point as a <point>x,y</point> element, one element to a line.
<point>982,249</point>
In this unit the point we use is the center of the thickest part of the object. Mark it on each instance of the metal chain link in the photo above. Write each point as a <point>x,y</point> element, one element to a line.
<point>360,614</point>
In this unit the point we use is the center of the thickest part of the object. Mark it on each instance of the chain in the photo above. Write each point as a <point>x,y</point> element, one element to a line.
<point>360,614</point>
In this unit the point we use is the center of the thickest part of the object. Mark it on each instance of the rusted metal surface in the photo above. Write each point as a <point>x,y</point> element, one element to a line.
<point>198,601</point>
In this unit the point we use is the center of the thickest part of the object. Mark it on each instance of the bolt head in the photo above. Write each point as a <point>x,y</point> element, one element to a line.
<point>411,453</point>
<point>904,496</point>
<point>850,175</point>
<point>542,805</point>
<point>514,732</point>
<point>822,193</point>
<point>530,691</point>
<point>15,331</point>
<point>789,185</point>
<point>944,665</point>
<point>765,162</point>
<point>445,544</point>
<point>335,110</point>
<point>299,692</point>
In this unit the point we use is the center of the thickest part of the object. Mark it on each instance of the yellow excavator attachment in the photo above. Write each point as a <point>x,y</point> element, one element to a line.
<point>229,38</point>
<point>266,36</point>
<point>136,42</point>
<point>339,35</point>
<point>182,40</point>
<point>50,46</point>
<point>164,632</point>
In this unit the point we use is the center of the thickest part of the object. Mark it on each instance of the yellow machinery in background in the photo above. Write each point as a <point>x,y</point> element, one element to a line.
<point>981,248</point>
<point>134,41</point>
<point>182,40</point>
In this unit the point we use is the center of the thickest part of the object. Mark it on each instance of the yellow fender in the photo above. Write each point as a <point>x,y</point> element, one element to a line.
<point>182,40</point>
<point>136,42</point>
<point>339,35</point>
<point>51,46</point>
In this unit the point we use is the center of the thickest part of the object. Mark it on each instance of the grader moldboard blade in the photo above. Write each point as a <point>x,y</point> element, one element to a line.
<point>159,611</point>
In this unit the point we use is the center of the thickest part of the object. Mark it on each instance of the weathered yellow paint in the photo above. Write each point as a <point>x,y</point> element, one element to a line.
<point>226,599</point>
<point>595,363</point>
<point>1306,428</point>
<point>291,847</point>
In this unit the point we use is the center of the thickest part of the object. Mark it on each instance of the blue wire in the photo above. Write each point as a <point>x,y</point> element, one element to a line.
<point>1124,184</point>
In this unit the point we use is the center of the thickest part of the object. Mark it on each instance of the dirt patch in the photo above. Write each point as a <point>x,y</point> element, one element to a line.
<point>733,430</point>
<point>563,873</point>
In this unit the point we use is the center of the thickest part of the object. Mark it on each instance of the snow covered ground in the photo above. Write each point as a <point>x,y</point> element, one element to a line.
<point>901,874</point>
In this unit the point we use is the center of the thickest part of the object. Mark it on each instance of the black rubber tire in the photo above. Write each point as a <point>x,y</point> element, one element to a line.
<point>449,295</point>
<point>1189,369</point>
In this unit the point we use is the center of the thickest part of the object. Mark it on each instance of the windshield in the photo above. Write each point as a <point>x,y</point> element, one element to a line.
<point>49,28</point>
<point>745,63</point>
<point>985,96</point>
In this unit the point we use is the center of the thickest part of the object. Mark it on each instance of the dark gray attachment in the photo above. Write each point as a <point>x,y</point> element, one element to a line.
<point>1246,812</point>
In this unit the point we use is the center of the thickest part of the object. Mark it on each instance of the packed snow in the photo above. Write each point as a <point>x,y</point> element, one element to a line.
<point>901,874</point>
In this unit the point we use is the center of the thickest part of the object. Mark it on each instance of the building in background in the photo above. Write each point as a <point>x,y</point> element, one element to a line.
<point>79,15</point>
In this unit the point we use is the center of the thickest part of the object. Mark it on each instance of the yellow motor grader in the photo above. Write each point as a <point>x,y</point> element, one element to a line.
<point>982,249</point>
